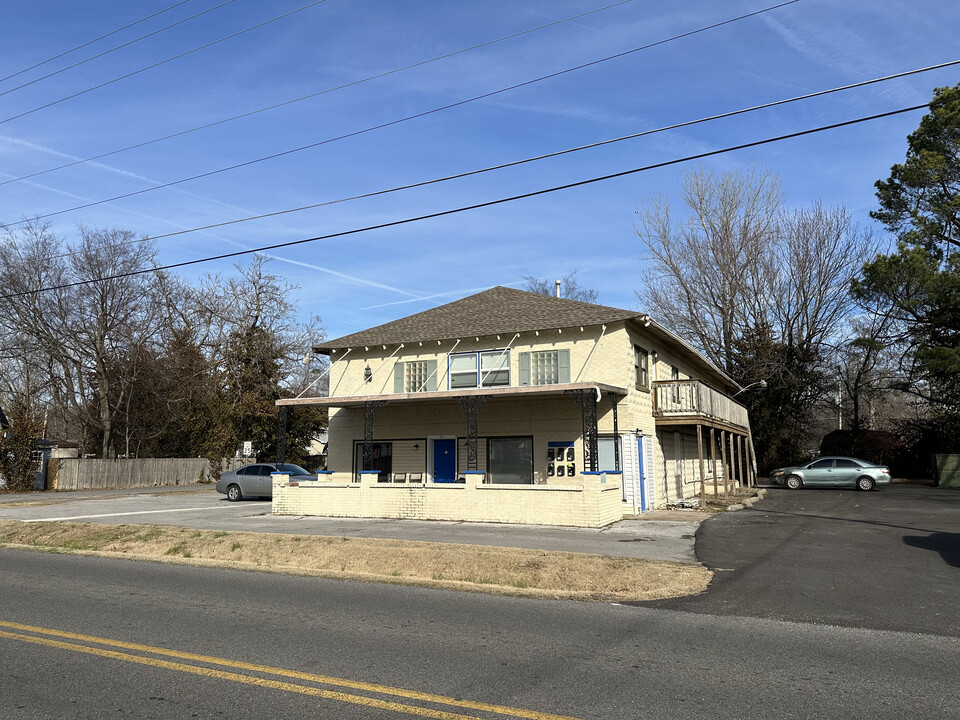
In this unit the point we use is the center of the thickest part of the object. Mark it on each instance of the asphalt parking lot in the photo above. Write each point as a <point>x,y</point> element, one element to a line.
<point>668,537</point>
<point>887,559</point>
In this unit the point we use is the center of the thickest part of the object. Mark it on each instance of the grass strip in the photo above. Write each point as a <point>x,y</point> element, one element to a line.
<point>508,571</point>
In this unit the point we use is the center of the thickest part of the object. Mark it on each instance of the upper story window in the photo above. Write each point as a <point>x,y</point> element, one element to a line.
<point>641,365</point>
<point>413,376</point>
<point>544,367</point>
<point>490,368</point>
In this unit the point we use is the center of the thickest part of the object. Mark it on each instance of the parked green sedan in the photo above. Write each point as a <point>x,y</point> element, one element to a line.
<point>833,472</point>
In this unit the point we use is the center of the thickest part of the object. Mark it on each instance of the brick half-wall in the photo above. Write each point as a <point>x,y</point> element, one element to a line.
<point>594,502</point>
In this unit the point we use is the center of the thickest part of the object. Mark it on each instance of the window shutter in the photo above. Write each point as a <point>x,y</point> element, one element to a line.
<point>431,376</point>
<point>524,361</point>
<point>563,366</point>
<point>398,377</point>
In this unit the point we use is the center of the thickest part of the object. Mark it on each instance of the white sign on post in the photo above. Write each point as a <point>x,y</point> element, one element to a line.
<point>247,448</point>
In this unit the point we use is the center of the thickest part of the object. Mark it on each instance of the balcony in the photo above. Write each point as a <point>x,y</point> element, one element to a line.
<point>686,402</point>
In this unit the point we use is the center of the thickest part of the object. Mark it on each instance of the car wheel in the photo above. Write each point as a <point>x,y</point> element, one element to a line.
<point>234,494</point>
<point>865,483</point>
<point>793,482</point>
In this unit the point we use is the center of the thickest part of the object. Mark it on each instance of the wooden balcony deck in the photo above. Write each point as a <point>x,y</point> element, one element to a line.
<point>690,402</point>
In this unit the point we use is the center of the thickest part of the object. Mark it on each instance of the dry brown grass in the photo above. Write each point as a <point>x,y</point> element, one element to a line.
<point>509,571</point>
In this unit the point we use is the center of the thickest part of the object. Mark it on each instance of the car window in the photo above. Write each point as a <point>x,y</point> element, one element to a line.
<point>264,469</point>
<point>294,469</point>
<point>245,470</point>
<point>842,463</point>
<point>821,465</point>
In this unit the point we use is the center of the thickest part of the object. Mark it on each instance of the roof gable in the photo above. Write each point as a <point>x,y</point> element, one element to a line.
<point>500,310</point>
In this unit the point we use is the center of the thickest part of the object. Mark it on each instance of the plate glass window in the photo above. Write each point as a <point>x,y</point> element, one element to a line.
<point>510,460</point>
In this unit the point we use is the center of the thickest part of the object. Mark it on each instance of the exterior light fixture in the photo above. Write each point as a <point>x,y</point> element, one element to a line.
<point>367,374</point>
<point>761,383</point>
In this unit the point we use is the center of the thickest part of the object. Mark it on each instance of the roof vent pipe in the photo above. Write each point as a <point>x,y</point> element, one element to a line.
<point>558,288</point>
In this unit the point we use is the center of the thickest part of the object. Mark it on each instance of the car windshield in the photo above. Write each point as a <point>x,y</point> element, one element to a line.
<point>293,469</point>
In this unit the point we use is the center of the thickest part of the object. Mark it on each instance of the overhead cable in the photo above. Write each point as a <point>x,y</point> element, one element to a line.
<point>407,118</point>
<point>95,40</point>
<point>162,62</point>
<point>535,158</point>
<point>477,206</point>
<point>352,83</point>
<point>114,49</point>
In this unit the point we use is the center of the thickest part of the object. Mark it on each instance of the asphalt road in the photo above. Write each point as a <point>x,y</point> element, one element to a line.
<point>888,559</point>
<point>85,637</point>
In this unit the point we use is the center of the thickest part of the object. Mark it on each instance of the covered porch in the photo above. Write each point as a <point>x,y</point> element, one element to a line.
<point>513,455</point>
<point>725,454</point>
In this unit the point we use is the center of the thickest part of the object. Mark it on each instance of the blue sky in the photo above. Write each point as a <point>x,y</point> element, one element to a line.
<point>361,280</point>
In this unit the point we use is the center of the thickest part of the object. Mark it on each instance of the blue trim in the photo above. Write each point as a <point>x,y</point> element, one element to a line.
<point>643,478</point>
<point>474,472</point>
<point>325,472</point>
<point>594,472</point>
<point>560,444</point>
<point>368,472</point>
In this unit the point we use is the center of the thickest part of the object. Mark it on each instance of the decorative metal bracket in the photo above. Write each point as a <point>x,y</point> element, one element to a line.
<point>587,400</point>
<point>471,404</point>
<point>369,412</point>
<point>282,418</point>
<point>614,400</point>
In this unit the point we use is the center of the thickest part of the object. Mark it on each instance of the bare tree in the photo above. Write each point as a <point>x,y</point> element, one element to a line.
<point>760,289</point>
<point>706,273</point>
<point>87,313</point>
<point>570,288</point>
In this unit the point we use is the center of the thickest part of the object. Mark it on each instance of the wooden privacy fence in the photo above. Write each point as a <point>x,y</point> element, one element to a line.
<point>97,474</point>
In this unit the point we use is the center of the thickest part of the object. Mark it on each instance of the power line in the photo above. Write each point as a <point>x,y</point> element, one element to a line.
<point>164,62</point>
<point>407,118</point>
<point>91,42</point>
<point>478,206</point>
<point>312,95</point>
<point>535,158</point>
<point>114,49</point>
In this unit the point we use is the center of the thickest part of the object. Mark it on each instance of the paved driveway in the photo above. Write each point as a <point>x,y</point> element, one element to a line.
<point>888,559</point>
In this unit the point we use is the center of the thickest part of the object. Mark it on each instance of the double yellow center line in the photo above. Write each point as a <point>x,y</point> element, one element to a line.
<point>100,647</point>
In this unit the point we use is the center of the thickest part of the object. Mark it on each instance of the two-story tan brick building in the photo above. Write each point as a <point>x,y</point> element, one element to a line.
<point>509,406</point>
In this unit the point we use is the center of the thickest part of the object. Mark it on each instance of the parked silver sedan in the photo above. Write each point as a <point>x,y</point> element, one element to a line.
<point>255,480</point>
<point>833,472</point>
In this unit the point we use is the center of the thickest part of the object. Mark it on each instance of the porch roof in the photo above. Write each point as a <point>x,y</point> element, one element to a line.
<point>532,391</point>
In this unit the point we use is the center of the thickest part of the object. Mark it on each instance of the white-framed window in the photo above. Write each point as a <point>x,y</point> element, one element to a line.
<point>488,368</point>
<point>641,363</point>
<point>415,376</point>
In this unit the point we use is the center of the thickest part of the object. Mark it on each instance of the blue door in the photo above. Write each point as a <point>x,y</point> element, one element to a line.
<point>444,460</point>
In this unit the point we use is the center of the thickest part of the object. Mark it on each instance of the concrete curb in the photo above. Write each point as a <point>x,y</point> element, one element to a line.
<point>748,502</point>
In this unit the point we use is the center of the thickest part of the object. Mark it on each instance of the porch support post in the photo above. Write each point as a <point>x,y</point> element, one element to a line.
<point>470,404</point>
<point>745,481</point>
<point>703,485</point>
<point>614,399</point>
<point>370,408</point>
<point>587,400</point>
<point>713,460</point>
<point>282,418</point>
<point>723,462</point>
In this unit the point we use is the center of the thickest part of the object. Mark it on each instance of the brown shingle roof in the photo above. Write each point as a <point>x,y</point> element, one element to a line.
<point>498,310</point>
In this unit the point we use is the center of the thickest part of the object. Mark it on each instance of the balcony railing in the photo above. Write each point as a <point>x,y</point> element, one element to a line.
<point>691,399</point>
